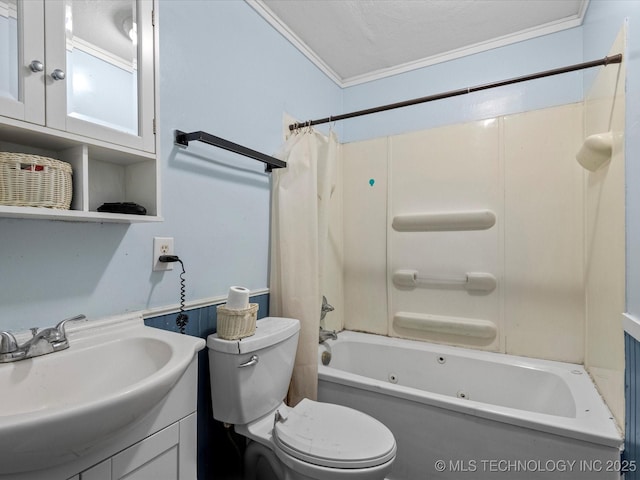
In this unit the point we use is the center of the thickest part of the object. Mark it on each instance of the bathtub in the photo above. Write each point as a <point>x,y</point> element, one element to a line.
<point>465,414</point>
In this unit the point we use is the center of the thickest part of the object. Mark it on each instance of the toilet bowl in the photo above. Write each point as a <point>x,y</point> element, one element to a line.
<point>311,441</point>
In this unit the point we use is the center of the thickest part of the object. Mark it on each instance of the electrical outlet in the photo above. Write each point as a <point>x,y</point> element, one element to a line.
<point>162,246</point>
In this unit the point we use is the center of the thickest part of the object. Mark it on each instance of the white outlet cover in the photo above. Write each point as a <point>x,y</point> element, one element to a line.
<point>162,246</point>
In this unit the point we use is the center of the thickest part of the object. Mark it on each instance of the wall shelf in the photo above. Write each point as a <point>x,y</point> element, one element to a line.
<point>102,172</point>
<point>33,213</point>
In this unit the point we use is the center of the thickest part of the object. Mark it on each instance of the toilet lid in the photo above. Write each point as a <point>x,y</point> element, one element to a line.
<point>334,436</point>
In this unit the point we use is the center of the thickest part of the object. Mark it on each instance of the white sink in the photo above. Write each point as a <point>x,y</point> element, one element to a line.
<point>57,406</point>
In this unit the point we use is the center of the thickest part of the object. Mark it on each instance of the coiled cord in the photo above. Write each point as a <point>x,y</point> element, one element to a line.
<point>182,319</point>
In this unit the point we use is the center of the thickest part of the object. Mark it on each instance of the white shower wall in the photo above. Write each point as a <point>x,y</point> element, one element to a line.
<point>522,168</point>
<point>365,235</point>
<point>605,237</point>
<point>544,235</point>
<point>451,169</point>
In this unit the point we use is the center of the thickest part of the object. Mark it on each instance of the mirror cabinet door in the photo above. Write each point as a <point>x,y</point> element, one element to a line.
<point>22,60</point>
<point>100,70</point>
<point>102,63</point>
<point>9,80</point>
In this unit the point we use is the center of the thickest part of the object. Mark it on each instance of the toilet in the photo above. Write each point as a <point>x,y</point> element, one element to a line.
<point>311,441</point>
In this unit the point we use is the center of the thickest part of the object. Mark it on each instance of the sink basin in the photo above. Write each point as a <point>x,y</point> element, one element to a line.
<point>57,406</point>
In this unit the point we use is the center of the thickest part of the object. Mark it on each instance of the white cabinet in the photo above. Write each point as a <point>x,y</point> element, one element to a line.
<point>165,439</point>
<point>77,83</point>
<point>169,454</point>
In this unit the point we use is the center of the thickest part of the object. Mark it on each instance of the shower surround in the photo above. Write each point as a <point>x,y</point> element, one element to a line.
<point>519,167</point>
<point>547,248</point>
<point>549,232</point>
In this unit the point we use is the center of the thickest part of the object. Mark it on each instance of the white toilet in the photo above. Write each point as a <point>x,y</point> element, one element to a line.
<point>313,440</point>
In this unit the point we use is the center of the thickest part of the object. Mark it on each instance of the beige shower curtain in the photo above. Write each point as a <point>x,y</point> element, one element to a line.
<point>299,230</point>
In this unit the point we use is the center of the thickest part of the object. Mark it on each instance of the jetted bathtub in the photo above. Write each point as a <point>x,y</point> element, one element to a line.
<point>466,414</point>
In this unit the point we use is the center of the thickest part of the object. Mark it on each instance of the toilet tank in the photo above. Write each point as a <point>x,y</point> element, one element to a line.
<point>250,376</point>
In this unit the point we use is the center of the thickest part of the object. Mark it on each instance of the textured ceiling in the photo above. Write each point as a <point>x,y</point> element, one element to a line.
<point>358,40</point>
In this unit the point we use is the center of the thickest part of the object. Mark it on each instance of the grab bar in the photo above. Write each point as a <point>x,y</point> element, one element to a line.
<point>471,281</point>
<point>183,139</point>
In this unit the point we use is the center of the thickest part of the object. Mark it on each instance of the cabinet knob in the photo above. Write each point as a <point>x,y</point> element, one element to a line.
<point>57,74</point>
<point>36,66</point>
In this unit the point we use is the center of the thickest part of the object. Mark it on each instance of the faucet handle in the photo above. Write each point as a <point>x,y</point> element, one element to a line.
<point>326,308</point>
<point>8,343</point>
<point>60,327</point>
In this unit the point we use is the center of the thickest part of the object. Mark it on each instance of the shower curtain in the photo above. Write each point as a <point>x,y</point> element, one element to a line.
<point>299,233</point>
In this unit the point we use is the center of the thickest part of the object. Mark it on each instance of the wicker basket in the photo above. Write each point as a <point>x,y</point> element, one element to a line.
<point>235,324</point>
<point>34,181</point>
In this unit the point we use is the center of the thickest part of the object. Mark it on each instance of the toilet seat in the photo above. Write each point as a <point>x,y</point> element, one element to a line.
<point>333,436</point>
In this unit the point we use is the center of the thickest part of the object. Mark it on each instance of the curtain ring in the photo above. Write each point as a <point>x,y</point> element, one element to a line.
<point>299,127</point>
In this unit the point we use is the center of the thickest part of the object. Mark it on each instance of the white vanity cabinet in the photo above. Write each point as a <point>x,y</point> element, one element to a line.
<point>77,83</point>
<point>157,456</point>
<point>162,446</point>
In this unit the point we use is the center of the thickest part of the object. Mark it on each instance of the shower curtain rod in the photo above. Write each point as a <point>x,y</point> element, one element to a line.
<point>463,91</point>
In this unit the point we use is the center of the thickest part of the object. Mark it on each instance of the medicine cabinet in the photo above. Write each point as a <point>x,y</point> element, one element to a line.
<point>77,83</point>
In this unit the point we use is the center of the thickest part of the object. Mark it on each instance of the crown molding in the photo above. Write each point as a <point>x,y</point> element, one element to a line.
<point>546,29</point>
<point>275,22</point>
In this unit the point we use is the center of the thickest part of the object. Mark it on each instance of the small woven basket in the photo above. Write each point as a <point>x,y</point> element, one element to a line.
<point>34,181</point>
<point>235,324</point>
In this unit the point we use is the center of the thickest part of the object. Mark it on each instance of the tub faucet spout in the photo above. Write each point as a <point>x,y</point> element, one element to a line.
<point>326,335</point>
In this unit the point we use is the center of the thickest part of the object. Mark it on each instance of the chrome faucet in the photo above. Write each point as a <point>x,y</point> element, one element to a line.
<point>47,340</point>
<point>9,348</point>
<point>326,335</point>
